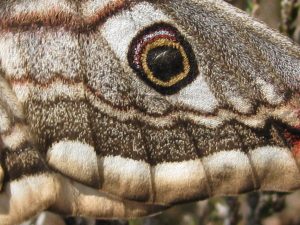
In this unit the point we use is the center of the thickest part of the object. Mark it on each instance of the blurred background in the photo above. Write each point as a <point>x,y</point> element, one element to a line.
<point>248,209</point>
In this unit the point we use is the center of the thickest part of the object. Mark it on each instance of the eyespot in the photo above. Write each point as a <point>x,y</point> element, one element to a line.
<point>162,58</point>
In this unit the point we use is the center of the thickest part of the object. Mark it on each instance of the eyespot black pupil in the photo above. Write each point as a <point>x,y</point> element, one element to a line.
<point>165,62</point>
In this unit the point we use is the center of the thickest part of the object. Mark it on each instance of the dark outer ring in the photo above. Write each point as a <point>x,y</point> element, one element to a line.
<point>193,73</point>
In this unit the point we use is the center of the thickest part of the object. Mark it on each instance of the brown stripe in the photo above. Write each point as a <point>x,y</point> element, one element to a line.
<point>124,138</point>
<point>254,176</point>
<point>53,121</point>
<point>199,153</point>
<point>115,138</point>
<point>177,108</point>
<point>169,145</point>
<point>28,80</point>
<point>56,18</point>
<point>24,160</point>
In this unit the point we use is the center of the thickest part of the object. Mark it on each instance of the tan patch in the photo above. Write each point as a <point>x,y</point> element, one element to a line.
<point>276,168</point>
<point>76,199</point>
<point>127,178</point>
<point>76,160</point>
<point>22,199</point>
<point>5,120</point>
<point>179,182</point>
<point>16,136</point>
<point>8,99</point>
<point>229,172</point>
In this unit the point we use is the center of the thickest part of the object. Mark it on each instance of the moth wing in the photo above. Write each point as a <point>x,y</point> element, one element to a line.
<point>26,198</point>
<point>253,72</point>
<point>225,132</point>
<point>77,199</point>
<point>27,185</point>
<point>245,63</point>
<point>199,143</point>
